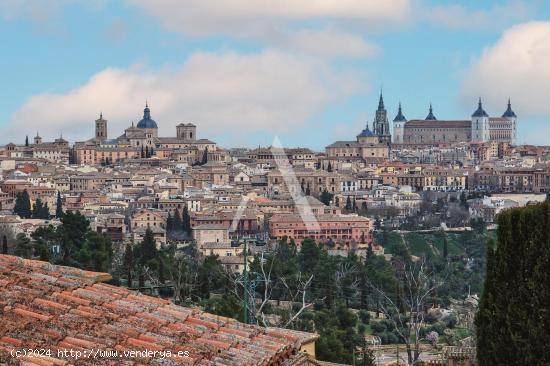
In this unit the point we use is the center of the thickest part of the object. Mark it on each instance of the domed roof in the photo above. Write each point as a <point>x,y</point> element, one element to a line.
<point>400,117</point>
<point>147,121</point>
<point>366,132</point>
<point>480,112</point>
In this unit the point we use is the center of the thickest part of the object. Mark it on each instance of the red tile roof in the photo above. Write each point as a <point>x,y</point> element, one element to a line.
<point>57,308</point>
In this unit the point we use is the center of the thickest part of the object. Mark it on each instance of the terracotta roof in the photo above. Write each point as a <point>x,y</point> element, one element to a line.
<point>43,306</point>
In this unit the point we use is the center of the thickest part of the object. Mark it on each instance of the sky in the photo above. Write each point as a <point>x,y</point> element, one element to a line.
<point>245,71</point>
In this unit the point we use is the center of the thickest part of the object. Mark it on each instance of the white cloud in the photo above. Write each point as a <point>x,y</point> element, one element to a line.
<point>515,66</point>
<point>321,28</point>
<point>497,17</point>
<point>271,91</point>
<point>329,43</point>
<point>257,18</point>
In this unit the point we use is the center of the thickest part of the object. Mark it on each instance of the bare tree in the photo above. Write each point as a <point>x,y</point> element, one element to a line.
<point>183,280</point>
<point>407,310</point>
<point>295,290</point>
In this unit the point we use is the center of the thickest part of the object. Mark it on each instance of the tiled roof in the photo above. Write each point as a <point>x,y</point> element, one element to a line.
<point>62,308</point>
<point>439,123</point>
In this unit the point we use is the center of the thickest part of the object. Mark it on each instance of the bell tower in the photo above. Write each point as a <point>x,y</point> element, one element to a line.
<point>100,128</point>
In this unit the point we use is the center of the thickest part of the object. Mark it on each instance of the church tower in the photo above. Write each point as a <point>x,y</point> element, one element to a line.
<point>381,125</point>
<point>480,124</point>
<point>100,128</point>
<point>399,126</point>
<point>511,116</point>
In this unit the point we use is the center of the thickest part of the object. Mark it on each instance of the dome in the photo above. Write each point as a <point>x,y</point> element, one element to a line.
<point>147,121</point>
<point>366,132</point>
<point>480,112</point>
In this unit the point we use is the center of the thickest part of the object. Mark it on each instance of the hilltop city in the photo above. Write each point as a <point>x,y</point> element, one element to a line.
<point>280,237</point>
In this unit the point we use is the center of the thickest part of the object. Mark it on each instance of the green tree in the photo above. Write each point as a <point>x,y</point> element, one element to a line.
<point>169,223</point>
<point>23,246</point>
<point>72,236</point>
<point>326,197</point>
<point>512,321</point>
<point>309,255</point>
<point>148,248</point>
<point>186,221</point>
<point>445,247</point>
<point>27,140</point>
<point>96,254</point>
<point>177,223</point>
<point>22,205</point>
<point>40,211</point>
<point>128,262</point>
<point>329,167</point>
<point>4,244</point>
<point>59,206</point>
<point>204,156</point>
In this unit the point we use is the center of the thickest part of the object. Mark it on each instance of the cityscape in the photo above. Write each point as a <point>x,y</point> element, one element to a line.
<point>251,214</point>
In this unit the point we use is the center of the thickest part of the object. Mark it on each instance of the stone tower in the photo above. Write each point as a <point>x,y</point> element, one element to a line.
<point>480,124</point>
<point>511,116</point>
<point>186,131</point>
<point>381,125</point>
<point>100,128</point>
<point>399,126</point>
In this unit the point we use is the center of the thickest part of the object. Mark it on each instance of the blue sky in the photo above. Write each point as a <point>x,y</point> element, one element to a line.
<point>245,71</point>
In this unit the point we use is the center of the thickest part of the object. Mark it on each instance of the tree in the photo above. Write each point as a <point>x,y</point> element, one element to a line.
<point>348,204</point>
<point>169,223</point>
<point>148,248</point>
<point>308,191</point>
<point>22,205</point>
<point>445,247</point>
<point>23,246</point>
<point>40,211</point>
<point>59,206</point>
<point>205,156</point>
<point>177,223</point>
<point>407,308</point>
<point>96,253</point>
<point>27,140</point>
<point>128,262</point>
<point>326,197</point>
<point>72,235</point>
<point>512,321</point>
<point>329,167</point>
<point>186,221</point>
<point>4,244</point>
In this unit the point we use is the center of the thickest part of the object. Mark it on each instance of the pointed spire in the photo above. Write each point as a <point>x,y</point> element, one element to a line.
<point>509,112</point>
<point>400,117</point>
<point>381,101</point>
<point>480,112</point>
<point>430,116</point>
<point>101,115</point>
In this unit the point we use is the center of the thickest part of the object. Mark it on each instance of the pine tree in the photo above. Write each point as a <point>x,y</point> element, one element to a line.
<point>169,222</point>
<point>4,244</point>
<point>445,247</point>
<point>59,206</point>
<point>23,246</point>
<point>177,223</point>
<point>27,140</point>
<point>128,261</point>
<point>186,221</point>
<point>37,209</point>
<point>23,205</point>
<point>142,152</point>
<point>512,326</point>
<point>205,156</point>
<point>148,248</point>
<point>329,167</point>
<point>348,203</point>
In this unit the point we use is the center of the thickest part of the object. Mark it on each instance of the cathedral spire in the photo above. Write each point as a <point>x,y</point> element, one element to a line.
<point>400,117</point>
<point>509,112</point>
<point>430,116</point>
<point>381,101</point>
<point>480,112</point>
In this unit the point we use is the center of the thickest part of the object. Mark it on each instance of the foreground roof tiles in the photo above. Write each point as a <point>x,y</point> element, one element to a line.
<point>62,308</point>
